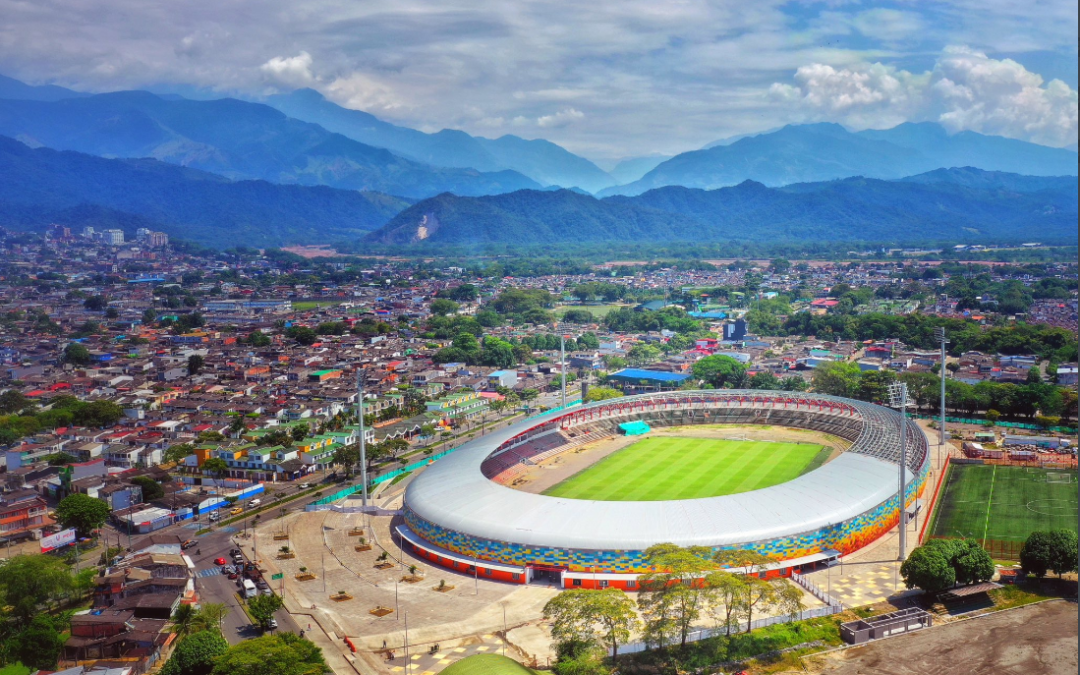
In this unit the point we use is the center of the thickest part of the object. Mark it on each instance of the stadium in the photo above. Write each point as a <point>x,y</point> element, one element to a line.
<point>463,513</point>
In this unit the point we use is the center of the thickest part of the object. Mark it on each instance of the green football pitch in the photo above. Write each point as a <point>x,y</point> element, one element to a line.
<point>1004,503</point>
<point>664,468</point>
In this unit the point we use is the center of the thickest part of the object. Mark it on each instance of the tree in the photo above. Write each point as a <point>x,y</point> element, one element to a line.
<point>195,363</point>
<point>672,597</point>
<point>182,618</point>
<point>724,591</point>
<point>216,467</point>
<point>971,562</point>
<point>642,354</point>
<point>178,452</point>
<point>195,654</point>
<point>759,594</point>
<point>39,644</point>
<point>82,512</point>
<point>209,617</point>
<point>347,456</point>
<point>95,303</point>
<point>601,394</point>
<point>281,654</point>
<point>151,489</point>
<point>442,307</point>
<point>928,567</point>
<point>837,378</point>
<point>12,401</point>
<point>718,370</point>
<point>29,581</point>
<point>262,608</point>
<point>303,335</point>
<point>1054,550</point>
<point>614,611</point>
<point>76,354</point>
<point>587,616</point>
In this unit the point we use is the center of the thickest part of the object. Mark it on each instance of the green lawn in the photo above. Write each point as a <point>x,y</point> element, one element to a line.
<point>487,664</point>
<point>1005,503</point>
<point>598,311</point>
<point>664,468</point>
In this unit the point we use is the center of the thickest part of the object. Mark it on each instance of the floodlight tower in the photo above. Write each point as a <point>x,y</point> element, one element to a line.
<point>562,364</point>
<point>939,335</point>
<point>898,398</point>
<point>360,426</point>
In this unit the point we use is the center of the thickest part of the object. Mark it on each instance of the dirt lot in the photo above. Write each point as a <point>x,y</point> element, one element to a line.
<point>1036,640</point>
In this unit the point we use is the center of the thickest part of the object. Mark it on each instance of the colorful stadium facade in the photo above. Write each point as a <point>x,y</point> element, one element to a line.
<point>461,513</point>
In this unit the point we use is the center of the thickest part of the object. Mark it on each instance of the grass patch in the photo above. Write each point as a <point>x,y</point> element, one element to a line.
<point>487,664</point>
<point>742,647</point>
<point>400,477</point>
<point>1005,503</point>
<point>306,305</point>
<point>670,467</point>
<point>1030,591</point>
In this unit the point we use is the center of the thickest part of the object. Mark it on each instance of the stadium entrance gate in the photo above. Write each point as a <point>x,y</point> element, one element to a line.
<point>546,574</point>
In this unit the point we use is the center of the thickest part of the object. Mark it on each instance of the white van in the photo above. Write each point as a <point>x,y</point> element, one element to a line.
<point>215,516</point>
<point>253,503</point>
<point>249,589</point>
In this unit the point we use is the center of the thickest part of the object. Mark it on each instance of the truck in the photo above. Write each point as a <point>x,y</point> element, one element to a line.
<point>249,589</point>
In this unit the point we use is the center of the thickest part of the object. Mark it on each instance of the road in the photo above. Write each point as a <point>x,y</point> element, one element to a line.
<point>219,588</point>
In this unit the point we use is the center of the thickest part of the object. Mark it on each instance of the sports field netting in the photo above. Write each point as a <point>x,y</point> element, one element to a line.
<point>1005,503</point>
<point>669,467</point>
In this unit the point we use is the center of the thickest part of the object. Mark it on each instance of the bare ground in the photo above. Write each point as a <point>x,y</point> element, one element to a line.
<point>1034,640</point>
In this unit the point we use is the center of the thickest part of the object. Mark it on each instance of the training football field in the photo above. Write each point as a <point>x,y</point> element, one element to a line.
<point>663,468</point>
<point>1004,503</point>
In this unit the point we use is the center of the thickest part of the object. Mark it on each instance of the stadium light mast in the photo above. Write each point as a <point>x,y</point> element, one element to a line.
<point>898,398</point>
<point>562,364</point>
<point>939,335</point>
<point>360,426</point>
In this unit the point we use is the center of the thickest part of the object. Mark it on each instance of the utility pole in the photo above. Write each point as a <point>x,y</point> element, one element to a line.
<point>939,335</point>
<point>408,663</point>
<point>898,398</point>
<point>360,426</point>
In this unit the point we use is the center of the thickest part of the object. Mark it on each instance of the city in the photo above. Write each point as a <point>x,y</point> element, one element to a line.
<point>372,339</point>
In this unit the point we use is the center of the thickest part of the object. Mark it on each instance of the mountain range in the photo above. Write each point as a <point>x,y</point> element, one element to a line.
<point>236,139</point>
<point>964,204</point>
<point>43,186</point>
<point>540,160</point>
<point>821,152</point>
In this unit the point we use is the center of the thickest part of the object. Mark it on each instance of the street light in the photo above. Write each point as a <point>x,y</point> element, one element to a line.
<point>898,398</point>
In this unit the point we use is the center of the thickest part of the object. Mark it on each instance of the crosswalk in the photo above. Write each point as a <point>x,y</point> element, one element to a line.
<point>207,573</point>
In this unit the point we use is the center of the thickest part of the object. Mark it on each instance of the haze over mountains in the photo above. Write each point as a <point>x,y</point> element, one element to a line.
<point>311,171</point>
<point>42,186</point>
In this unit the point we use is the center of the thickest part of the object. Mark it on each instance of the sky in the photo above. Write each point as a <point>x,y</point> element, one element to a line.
<point>603,78</point>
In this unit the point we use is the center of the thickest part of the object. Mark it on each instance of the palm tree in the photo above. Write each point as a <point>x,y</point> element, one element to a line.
<point>183,618</point>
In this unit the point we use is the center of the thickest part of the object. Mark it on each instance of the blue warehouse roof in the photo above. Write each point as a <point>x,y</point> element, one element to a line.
<point>654,375</point>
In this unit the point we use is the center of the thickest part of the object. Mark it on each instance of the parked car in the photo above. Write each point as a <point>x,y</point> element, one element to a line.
<point>188,544</point>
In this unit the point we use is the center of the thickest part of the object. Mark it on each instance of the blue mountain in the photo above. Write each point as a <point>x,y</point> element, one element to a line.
<point>543,161</point>
<point>236,139</point>
<point>822,152</point>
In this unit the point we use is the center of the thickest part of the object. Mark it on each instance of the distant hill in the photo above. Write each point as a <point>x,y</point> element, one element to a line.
<point>43,186</point>
<point>543,161</point>
<point>956,206</point>
<point>819,152</point>
<point>236,139</point>
<point>12,88</point>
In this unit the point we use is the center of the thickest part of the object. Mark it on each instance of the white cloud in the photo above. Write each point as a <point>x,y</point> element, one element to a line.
<point>560,119</point>
<point>966,90</point>
<point>290,71</point>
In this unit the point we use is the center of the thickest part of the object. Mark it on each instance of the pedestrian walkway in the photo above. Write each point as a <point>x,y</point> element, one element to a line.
<point>207,573</point>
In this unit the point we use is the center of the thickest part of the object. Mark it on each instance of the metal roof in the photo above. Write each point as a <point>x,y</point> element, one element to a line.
<point>454,494</point>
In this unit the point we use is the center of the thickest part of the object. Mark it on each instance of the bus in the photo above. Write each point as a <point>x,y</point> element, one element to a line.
<point>249,589</point>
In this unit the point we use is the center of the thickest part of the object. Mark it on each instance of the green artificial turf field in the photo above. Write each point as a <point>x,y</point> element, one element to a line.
<point>662,468</point>
<point>487,664</point>
<point>1004,503</point>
